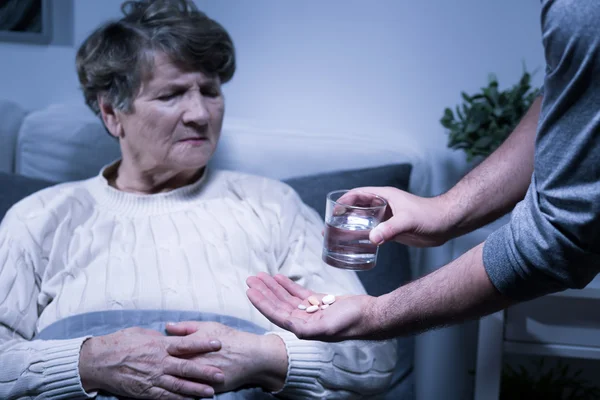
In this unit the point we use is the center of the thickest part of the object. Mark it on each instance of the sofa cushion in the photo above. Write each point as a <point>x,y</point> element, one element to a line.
<point>11,118</point>
<point>63,143</point>
<point>17,187</point>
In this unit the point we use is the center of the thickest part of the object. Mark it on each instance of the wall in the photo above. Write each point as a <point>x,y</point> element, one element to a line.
<point>381,69</point>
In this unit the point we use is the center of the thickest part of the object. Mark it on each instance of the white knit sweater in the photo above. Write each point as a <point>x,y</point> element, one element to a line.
<point>85,246</point>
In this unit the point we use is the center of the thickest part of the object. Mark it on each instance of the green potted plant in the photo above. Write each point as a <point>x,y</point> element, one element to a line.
<point>485,119</point>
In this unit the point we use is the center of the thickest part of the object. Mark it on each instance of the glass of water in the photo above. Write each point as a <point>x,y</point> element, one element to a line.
<point>349,219</point>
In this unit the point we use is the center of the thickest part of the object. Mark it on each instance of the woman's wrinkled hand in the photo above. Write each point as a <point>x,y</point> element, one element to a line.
<point>144,364</point>
<point>246,359</point>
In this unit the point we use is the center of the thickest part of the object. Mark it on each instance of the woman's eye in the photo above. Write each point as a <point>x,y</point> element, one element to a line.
<point>211,92</point>
<point>168,96</point>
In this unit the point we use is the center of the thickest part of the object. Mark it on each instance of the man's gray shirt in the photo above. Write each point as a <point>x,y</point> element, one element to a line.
<point>553,239</point>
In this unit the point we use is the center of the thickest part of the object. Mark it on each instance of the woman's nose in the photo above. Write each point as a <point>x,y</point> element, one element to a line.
<point>195,109</point>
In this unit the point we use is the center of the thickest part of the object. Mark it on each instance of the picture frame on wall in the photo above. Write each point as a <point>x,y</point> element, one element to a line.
<point>26,21</point>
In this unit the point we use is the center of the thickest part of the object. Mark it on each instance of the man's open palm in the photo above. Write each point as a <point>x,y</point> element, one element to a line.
<point>278,297</point>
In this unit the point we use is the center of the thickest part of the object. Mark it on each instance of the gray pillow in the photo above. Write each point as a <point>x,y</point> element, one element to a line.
<point>63,143</point>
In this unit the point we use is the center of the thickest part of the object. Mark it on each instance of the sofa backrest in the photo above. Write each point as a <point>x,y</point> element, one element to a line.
<point>65,142</point>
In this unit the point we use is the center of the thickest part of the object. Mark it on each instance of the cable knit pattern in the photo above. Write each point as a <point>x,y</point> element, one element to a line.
<point>85,246</point>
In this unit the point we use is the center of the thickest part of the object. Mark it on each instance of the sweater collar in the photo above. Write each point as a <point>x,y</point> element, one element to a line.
<point>146,204</point>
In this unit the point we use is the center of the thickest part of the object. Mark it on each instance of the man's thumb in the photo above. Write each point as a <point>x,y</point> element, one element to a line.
<point>384,232</point>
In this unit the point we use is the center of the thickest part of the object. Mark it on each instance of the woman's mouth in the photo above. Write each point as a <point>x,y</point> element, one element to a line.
<point>194,140</point>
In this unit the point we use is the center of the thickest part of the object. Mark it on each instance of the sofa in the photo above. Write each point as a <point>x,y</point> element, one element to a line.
<point>66,142</point>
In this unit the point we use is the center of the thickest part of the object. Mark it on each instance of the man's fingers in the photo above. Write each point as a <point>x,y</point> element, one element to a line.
<point>313,328</point>
<point>338,210</point>
<point>258,284</point>
<point>309,328</point>
<point>272,296</point>
<point>186,345</point>
<point>360,198</point>
<point>387,192</point>
<point>281,292</point>
<point>185,387</point>
<point>348,199</point>
<point>292,287</point>
<point>268,308</point>
<point>191,369</point>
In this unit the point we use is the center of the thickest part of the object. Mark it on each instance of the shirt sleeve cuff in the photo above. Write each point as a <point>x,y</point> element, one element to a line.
<point>60,368</point>
<point>305,362</point>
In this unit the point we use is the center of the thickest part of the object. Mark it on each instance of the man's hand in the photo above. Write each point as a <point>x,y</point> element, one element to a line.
<point>350,317</point>
<point>246,359</point>
<point>144,364</point>
<point>412,220</point>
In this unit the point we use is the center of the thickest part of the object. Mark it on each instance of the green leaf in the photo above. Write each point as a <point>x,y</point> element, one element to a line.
<point>447,123</point>
<point>483,142</point>
<point>484,119</point>
<point>472,127</point>
<point>461,116</point>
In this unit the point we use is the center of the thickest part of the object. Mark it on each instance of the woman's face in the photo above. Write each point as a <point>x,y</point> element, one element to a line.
<point>175,122</point>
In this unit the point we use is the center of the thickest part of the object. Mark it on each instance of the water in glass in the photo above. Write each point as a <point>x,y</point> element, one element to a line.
<point>347,242</point>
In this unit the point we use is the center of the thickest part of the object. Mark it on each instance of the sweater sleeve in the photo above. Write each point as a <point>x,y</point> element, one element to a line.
<point>36,368</point>
<point>318,370</point>
<point>553,239</point>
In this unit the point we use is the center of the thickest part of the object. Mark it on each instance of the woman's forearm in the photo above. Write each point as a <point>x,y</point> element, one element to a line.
<point>274,357</point>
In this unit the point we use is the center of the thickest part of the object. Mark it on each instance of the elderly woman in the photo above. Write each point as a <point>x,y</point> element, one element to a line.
<point>91,271</point>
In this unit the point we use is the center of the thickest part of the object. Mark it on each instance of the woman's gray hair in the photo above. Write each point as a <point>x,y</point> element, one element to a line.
<point>114,60</point>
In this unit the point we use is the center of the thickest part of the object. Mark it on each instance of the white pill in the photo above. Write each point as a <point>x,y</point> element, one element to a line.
<point>329,299</point>
<point>312,309</point>
<point>302,306</point>
<point>324,306</point>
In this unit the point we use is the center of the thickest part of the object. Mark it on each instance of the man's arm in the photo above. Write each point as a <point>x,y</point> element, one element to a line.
<point>460,290</point>
<point>494,187</point>
<point>489,191</point>
<point>456,292</point>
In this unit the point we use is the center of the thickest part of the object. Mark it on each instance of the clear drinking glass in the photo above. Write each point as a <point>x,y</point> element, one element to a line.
<point>349,219</point>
